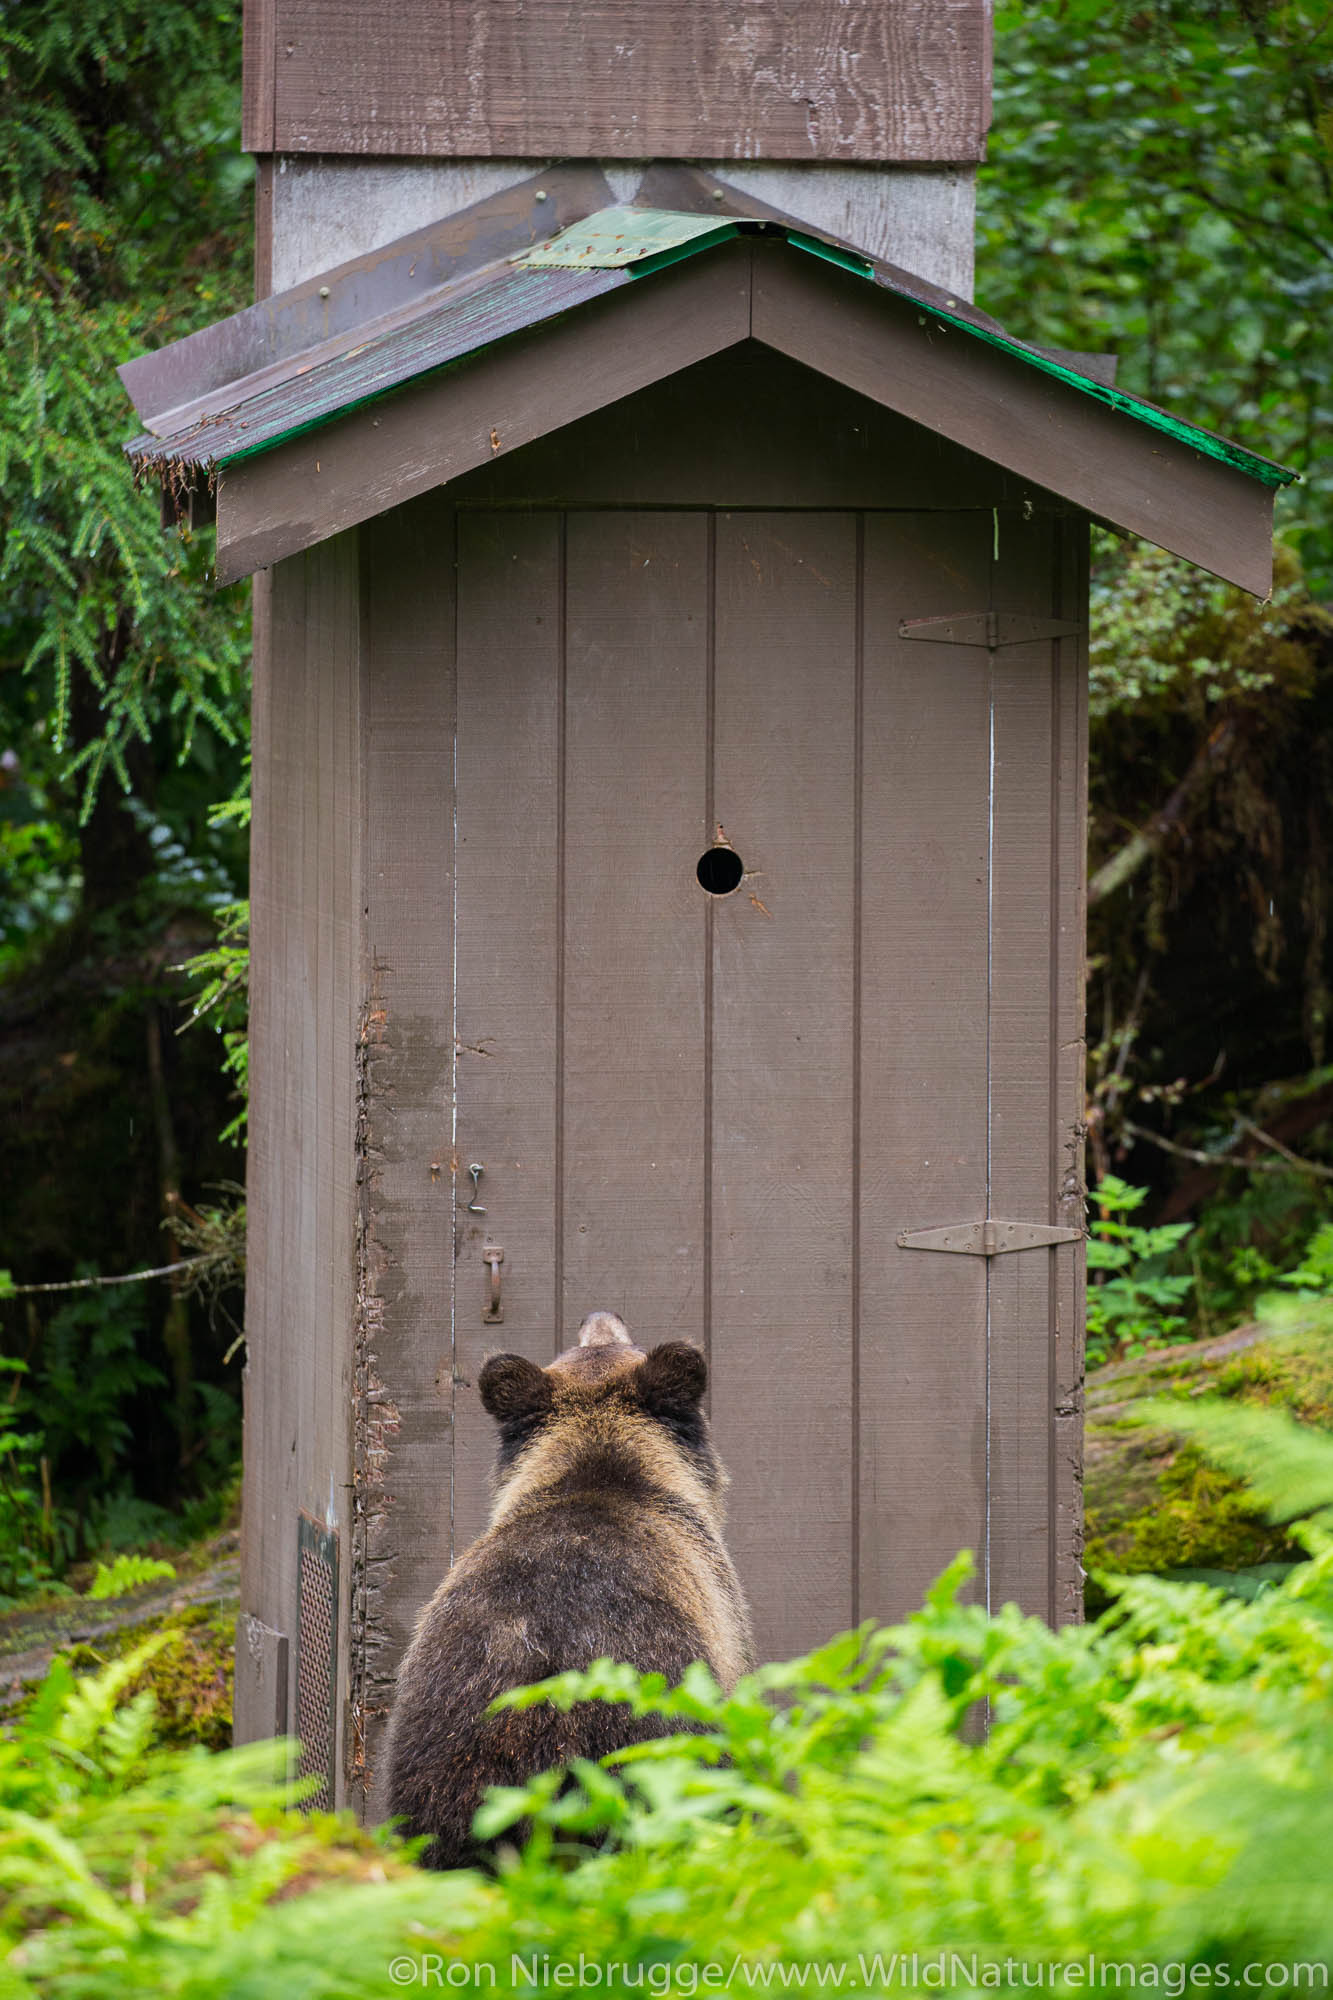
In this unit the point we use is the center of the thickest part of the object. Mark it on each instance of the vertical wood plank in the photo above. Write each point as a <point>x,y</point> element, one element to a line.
<point>332,926</point>
<point>1070,907</point>
<point>923,1059</point>
<point>404,1358</point>
<point>783,1016</point>
<point>263,227</point>
<point>306,959</point>
<point>268,1556</point>
<point>509,693</point>
<point>1024,990</point>
<point>258,78</point>
<point>634,921</point>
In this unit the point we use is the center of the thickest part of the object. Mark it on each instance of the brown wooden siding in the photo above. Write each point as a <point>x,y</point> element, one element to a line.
<point>405,1389</point>
<point>871,81</point>
<point>714,1115</point>
<point>306,936</point>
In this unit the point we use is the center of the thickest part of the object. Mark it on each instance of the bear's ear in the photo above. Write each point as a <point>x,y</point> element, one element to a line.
<point>672,1379</point>
<point>513,1388</point>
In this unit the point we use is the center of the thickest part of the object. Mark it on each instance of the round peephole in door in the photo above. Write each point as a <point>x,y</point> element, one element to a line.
<point>720,870</point>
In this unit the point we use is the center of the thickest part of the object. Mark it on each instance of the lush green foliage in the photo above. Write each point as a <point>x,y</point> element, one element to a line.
<point>124,223</point>
<point>33,1540</point>
<point>115,139</point>
<point>221,999</point>
<point>1159,184</point>
<point>1156,1790</point>
<point>1133,1299</point>
<point>126,1573</point>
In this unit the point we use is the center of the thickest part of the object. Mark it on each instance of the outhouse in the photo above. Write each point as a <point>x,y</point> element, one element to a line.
<point>669,793</point>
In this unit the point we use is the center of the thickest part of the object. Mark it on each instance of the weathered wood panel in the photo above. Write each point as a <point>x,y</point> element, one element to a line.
<point>783,1173</point>
<point>923,1124</point>
<point>404,1384</point>
<point>307,942</point>
<point>633,1026</point>
<point>1036,1072</point>
<point>510,706</point>
<point>392,451</point>
<point>263,228</point>
<point>633,79</point>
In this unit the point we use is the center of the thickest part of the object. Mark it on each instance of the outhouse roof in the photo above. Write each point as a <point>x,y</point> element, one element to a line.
<point>292,370</point>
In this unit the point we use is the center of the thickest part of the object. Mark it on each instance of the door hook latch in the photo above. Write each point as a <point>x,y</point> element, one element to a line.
<point>493,1312</point>
<point>476,1170</point>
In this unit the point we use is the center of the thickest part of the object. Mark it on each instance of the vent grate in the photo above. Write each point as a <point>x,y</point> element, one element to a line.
<point>317,1659</point>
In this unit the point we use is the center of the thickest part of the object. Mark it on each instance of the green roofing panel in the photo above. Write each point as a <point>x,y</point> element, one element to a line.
<point>618,236</point>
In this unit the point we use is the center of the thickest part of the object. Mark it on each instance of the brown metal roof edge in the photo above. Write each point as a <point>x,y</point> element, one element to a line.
<point>374,287</point>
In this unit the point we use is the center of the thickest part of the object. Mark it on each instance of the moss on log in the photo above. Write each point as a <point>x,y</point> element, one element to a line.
<point>1153,1503</point>
<point>191,1677</point>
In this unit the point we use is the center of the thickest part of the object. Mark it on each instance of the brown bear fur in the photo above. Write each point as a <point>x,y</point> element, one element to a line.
<point>605,1541</point>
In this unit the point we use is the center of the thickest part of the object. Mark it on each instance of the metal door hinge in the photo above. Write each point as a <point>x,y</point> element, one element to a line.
<point>987,628</point>
<point>987,1239</point>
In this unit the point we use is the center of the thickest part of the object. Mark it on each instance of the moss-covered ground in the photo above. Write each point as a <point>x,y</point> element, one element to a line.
<point>1153,1503</point>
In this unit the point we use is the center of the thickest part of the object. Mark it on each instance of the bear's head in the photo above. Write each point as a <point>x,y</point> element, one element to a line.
<point>603,1416</point>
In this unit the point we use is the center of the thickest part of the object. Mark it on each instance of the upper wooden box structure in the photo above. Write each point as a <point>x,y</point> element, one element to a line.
<point>849,80</point>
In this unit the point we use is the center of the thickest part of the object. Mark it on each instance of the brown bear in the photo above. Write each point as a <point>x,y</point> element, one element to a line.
<point>604,1541</point>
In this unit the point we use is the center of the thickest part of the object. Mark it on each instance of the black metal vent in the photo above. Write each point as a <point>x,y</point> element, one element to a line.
<point>317,1659</point>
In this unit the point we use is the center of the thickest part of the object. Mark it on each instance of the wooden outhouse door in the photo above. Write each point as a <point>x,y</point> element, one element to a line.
<point>716,1113</point>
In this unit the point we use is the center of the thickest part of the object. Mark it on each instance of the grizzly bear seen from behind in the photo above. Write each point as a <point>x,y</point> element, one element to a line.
<point>604,1541</point>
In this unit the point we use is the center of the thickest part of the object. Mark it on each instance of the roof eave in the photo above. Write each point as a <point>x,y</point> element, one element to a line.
<point>278,502</point>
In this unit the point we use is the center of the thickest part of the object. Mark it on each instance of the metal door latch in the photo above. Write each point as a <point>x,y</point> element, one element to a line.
<point>493,1311</point>
<point>987,1239</point>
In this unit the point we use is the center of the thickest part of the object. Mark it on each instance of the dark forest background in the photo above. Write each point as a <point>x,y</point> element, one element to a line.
<point>1159,185</point>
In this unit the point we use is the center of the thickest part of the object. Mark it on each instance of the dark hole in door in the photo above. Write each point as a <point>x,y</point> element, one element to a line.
<point>720,870</point>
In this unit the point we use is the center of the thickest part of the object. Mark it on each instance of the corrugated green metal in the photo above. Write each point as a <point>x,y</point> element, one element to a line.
<point>618,236</point>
